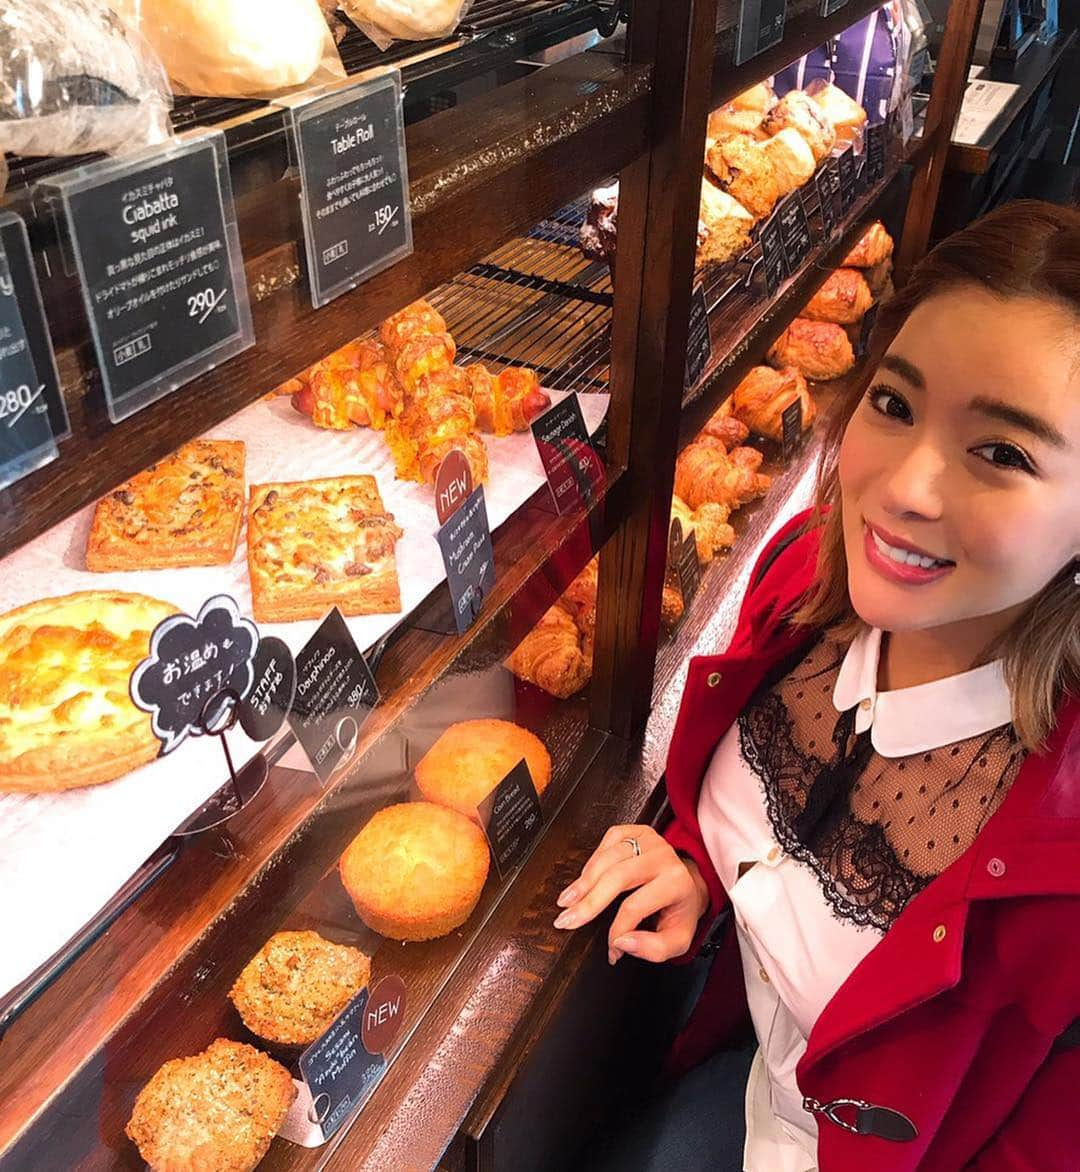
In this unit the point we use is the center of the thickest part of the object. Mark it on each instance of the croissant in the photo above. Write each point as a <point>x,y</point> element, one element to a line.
<point>722,425</point>
<point>423,354</point>
<point>450,380</point>
<point>506,402</point>
<point>874,246</point>
<point>551,656</point>
<point>706,474</point>
<point>843,299</point>
<point>745,172</point>
<point>763,396</point>
<point>418,318</point>
<point>709,525</point>
<point>821,350</point>
<point>579,598</point>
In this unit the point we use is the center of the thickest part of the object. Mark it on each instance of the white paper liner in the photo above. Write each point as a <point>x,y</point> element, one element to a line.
<point>64,855</point>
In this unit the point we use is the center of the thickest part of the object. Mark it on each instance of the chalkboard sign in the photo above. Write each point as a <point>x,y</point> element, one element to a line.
<point>794,231</point>
<point>875,142</point>
<point>791,427</point>
<point>866,327</point>
<point>827,182</point>
<point>349,145</point>
<point>511,818</point>
<point>30,399</point>
<point>465,542</point>
<point>699,340</point>
<point>153,240</point>
<point>572,467</point>
<point>773,255</point>
<point>828,7</point>
<point>683,557</point>
<point>264,709</point>
<point>846,164</point>
<point>335,693</point>
<point>761,25</point>
<point>192,661</point>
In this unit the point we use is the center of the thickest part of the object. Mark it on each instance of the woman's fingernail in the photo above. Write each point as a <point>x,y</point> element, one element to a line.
<point>566,897</point>
<point>613,955</point>
<point>567,920</point>
<point>626,943</point>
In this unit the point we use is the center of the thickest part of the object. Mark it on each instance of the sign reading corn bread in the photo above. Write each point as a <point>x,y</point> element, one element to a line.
<point>31,406</point>
<point>335,693</point>
<point>511,818</point>
<point>761,25</point>
<point>349,146</point>
<point>573,469</point>
<point>699,339</point>
<point>465,542</point>
<point>154,243</point>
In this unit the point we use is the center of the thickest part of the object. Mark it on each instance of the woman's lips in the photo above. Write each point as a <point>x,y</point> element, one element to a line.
<point>901,572</point>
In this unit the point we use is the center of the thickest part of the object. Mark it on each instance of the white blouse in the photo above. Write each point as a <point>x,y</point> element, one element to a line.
<point>795,952</point>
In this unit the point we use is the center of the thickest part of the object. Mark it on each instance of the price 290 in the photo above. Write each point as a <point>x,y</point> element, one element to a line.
<point>203,303</point>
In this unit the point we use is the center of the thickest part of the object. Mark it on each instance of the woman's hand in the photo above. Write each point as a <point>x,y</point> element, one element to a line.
<point>662,883</point>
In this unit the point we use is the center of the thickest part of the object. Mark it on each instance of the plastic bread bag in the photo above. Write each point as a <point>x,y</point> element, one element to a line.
<point>385,21</point>
<point>75,78</point>
<point>237,48</point>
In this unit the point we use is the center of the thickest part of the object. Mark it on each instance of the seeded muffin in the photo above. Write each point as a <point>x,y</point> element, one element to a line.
<point>470,759</point>
<point>416,870</point>
<point>214,1112</point>
<point>296,984</point>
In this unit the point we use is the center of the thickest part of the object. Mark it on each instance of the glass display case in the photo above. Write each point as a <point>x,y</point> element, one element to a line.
<point>323,671</point>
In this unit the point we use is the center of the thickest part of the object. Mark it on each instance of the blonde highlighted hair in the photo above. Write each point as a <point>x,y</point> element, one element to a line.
<point>1024,249</point>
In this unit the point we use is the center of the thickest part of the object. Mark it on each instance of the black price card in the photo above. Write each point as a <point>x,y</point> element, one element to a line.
<point>31,405</point>
<point>794,231</point>
<point>264,709</point>
<point>683,557</point>
<point>791,427</point>
<point>335,693</point>
<point>465,542</point>
<point>761,25</point>
<point>511,818</point>
<point>154,242</point>
<point>875,142</point>
<point>866,327</point>
<point>827,182</point>
<point>192,661</point>
<point>828,7</point>
<point>699,340</point>
<point>349,145</point>
<point>773,254</point>
<point>573,469</point>
<point>845,163</point>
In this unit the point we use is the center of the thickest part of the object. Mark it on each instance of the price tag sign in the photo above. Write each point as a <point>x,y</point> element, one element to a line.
<point>264,709</point>
<point>761,25</point>
<point>875,152</point>
<point>335,693</point>
<point>511,818</point>
<point>31,405</point>
<point>791,427</point>
<point>795,232</point>
<point>465,542</point>
<point>154,242</point>
<point>349,145</point>
<point>683,556</point>
<point>907,118</point>
<point>345,1065</point>
<point>699,340</point>
<point>827,182</point>
<point>573,469</point>
<point>773,255</point>
<point>866,327</point>
<point>846,165</point>
<point>191,661</point>
<point>828,7</point>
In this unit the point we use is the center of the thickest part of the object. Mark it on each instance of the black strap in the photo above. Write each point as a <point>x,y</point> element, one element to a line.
<point>774,553</point>
<point>1068,1039</point>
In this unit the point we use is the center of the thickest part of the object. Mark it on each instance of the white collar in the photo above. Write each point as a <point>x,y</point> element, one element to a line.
<point>927,716</point>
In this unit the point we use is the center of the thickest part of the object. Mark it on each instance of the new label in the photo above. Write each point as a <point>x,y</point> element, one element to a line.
<point>511,818</point>
<point>465,543</point>
<point>794,231</point>
<point>699,339</point>
<point>154,242</point>
<point>354,183</point>
<point>573,468</point>
<point>31,406</point>
<point>335,693</point>
<point>761,25</point>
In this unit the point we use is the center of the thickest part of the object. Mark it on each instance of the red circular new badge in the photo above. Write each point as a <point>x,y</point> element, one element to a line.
<point>453,483</point>
<point>383,1015</point>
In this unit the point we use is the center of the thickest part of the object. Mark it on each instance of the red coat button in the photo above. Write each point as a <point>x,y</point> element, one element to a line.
<point>996,868</point>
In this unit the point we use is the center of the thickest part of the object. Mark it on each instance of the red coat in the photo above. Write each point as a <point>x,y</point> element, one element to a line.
<point>956,1019</point>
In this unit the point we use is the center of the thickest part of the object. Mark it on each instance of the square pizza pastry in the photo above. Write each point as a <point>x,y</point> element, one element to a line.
<point>185,510</point>
<point>315,544</point>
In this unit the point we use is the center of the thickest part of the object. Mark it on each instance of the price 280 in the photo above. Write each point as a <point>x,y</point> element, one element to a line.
<point>15,403</point>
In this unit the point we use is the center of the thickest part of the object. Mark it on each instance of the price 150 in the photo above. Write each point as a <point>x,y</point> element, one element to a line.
<point>384,217</point>
<point>14,404</point>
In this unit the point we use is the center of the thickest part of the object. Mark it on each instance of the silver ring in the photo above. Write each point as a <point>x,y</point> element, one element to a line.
<point>634,845</point>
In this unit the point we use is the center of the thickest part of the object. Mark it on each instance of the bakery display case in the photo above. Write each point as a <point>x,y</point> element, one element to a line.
<point>321,670</point>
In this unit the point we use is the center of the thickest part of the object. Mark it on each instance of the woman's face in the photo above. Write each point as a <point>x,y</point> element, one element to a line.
<point>960,469</point>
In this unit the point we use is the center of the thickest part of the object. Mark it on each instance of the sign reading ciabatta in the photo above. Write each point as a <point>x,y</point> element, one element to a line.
<point>155,247</point>
<point>335,693</point>
<point>348,140</point>
<point>511,818</point>
<point>573,469</point>
<point>192,662</point>
<point>465,543</point>
<point>32,411</point>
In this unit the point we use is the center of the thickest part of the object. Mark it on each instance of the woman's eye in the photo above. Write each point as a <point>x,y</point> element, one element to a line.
<point>886,401</point>
<point>1003,455</point>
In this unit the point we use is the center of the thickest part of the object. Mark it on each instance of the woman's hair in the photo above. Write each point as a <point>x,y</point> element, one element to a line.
<point>1024,249</point>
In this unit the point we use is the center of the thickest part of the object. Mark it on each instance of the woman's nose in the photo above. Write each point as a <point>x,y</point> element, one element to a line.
<point>914,486</point>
